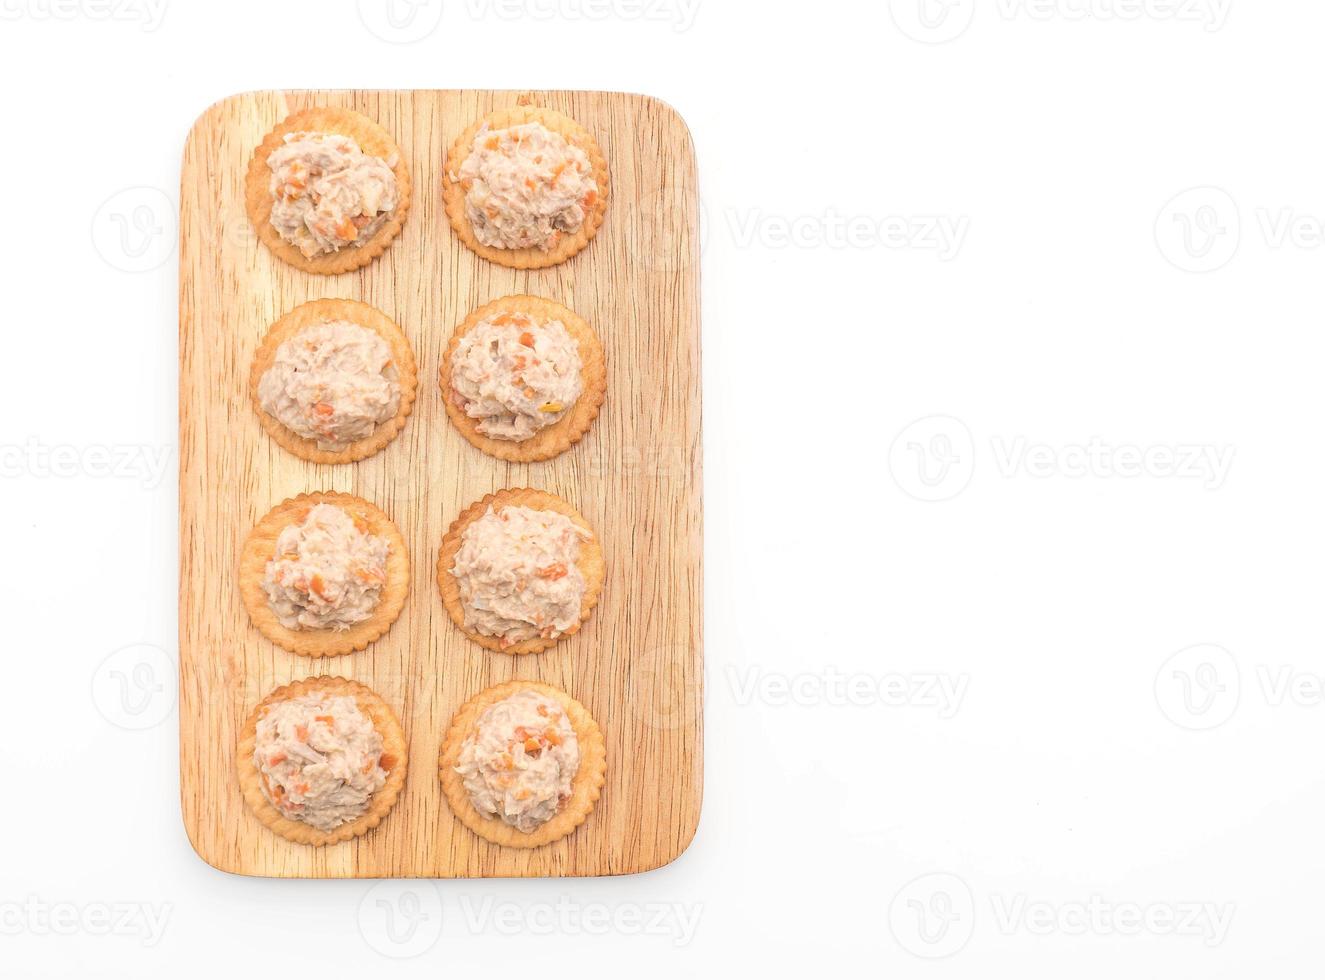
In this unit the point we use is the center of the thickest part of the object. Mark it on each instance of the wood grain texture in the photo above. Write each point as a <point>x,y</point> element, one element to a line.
<point>636,476</point>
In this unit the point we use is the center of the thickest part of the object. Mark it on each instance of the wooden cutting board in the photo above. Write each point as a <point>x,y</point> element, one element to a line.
<point>637,663</point>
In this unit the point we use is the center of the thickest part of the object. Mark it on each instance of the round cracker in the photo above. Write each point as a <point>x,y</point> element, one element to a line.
<point>586,786</point>
<point>567,430</point>
<point>373,140</point>
<point>590,564</point>
<point>393,743</point>
<point>453,194</point>
<point>260,547</point>
<point>319,311</point>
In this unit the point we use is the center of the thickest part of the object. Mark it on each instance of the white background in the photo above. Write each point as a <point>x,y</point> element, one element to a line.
<point>1116,324</point>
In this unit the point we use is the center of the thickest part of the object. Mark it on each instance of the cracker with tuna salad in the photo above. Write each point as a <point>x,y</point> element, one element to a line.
<point>333,381</point>
<point>526,187</point>
<point>519,570</point>
<point>321,760</point>
<point>327,190</point>
<point>523,378</point>
<point>324,574</point>
<point>523,764</point>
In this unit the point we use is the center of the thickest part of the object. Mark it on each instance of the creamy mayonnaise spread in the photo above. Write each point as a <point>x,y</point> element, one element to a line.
<point>516,374</point>
<point>525,186</point>
<point>327,572</point>
<point>327,193</point>
<point>517,574</point>
<point>520,761</point>
<point>334,382</point>
<point>320,759</point>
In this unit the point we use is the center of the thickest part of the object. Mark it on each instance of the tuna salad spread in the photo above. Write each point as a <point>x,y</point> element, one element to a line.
<point>516,374</point>
<point>520,761</point>
<point>327,572</point>
<point>333,382</point>
<point>525,187</point>
<point>517,574</point>
<point>320,759</point>
<point>327,193</point>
